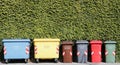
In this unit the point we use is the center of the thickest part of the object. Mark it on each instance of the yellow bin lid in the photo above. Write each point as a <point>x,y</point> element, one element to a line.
<point>46,40</point>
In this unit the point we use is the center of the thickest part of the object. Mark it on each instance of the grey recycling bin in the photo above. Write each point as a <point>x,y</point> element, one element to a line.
<point>82,51</point>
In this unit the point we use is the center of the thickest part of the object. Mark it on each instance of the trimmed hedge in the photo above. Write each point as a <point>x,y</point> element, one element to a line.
<point>64,19</point>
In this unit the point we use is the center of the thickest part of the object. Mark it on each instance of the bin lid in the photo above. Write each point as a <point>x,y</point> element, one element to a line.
<point>67,42</point>
<point>95,42</point>
<point>16,40</point>
<point>111,42</point>
<point>82,42</point>
<point>46,40</point>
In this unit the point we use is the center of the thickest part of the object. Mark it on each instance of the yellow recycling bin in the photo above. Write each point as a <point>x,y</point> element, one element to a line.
<point>46,49</point>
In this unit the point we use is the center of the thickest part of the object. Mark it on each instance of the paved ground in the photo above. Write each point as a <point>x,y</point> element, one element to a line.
<point>61,64</point>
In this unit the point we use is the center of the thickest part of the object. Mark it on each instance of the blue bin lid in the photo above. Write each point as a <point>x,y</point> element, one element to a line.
<point>82,42</point>
<point>111,42</point>
<point>16,40</point>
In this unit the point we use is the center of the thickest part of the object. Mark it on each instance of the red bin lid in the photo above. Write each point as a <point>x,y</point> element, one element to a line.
<point>95,42</point>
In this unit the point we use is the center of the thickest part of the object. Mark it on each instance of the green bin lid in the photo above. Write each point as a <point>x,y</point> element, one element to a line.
<point>82,42</point>
<point>111,42</point>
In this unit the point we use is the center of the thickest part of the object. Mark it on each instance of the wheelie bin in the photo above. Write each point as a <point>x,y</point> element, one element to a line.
<point>110,51</point>
<point>67,51</point>
<point>96,46</point>
<point>46,49</point>
<point>16,49</point>
<point>82,51</point>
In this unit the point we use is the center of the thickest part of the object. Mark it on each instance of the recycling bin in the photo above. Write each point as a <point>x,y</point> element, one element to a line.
<point>46,49</point>
<point>16,49</point>
<point>67,51</point>
<point>82,51</point>
<point>96,46</point>
<point>110,51</point>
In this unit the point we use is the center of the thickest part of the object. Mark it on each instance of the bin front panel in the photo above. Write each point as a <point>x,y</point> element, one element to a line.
<point>96,52</point>
<point>67,53</point>
<point>16,50</point>
<point>46,50</point>
<point>82,52</point>
<point>110,56</point>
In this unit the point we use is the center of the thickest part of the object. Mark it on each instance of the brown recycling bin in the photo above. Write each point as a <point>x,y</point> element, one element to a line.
<point>67,51</point>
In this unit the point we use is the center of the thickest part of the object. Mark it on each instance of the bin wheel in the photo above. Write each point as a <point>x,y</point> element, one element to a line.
<point>56,60</point>
<point>37,60</point>
<point>6,61</point>
<point>26,60</point>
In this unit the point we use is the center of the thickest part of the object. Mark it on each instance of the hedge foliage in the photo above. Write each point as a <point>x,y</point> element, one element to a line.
<point>64,19</point>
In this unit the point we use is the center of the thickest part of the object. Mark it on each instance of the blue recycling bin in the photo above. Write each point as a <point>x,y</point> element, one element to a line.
<point>82,51</point>
<point>16,49</point>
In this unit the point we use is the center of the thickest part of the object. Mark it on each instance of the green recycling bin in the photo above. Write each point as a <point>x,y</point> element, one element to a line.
<point>110,51</point>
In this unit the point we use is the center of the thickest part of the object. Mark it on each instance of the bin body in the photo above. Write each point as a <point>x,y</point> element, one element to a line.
<point>16,48</point>
<point>96,46</point>
<point>82,51</point>
<point>110,51</point>
<point>67,51</point>
<point>46,48</point>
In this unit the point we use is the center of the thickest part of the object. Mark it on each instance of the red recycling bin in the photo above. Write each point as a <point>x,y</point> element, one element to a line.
<point>96,46</point>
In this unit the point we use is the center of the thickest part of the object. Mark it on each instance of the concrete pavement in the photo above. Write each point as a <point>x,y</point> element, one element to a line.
<point>60,64</point>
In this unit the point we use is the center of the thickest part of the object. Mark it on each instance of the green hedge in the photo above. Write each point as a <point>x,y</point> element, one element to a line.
<point>64,19</point>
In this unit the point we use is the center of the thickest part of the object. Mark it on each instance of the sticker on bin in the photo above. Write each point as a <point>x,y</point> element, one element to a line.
<point>63,53</point>
<point>35,50</point>
<point>106,52</point>
<point>70,53</point>
<point>27,50</point>
<point>92,53</point>
<point>86,53</point>
<point>100,52</point>
<point>114,53</point>
<point>57,50</point>
<point>5,52</point>
<point>78,53</point>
